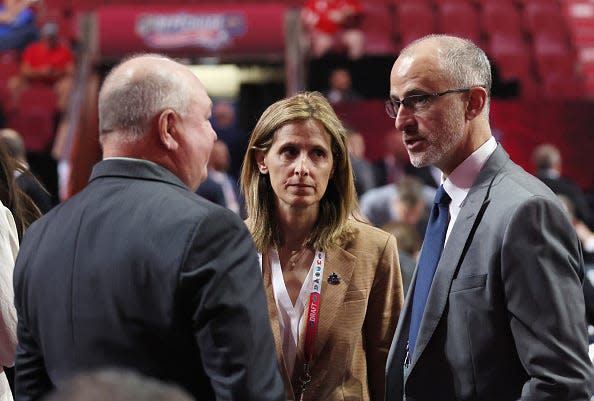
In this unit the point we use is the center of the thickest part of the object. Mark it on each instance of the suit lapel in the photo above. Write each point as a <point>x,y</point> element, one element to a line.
<point>452,256</point>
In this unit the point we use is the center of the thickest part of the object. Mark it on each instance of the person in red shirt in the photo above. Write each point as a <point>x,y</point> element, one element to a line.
<point>48,61</point>
<point>334,21</point>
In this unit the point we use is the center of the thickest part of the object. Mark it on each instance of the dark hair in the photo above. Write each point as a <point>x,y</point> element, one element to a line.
<point>23,209</point>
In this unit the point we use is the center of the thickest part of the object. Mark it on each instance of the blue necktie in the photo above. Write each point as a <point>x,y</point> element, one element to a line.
<point>432,247</point>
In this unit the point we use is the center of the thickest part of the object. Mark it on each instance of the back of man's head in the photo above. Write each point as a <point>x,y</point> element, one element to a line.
<point>135,91</point>
<point>117,385</point>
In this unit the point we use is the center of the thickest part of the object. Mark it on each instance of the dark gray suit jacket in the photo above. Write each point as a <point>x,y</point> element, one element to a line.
<point>138,272</point>
<point>505,315</point>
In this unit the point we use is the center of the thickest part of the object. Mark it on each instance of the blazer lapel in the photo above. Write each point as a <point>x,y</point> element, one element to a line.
<point>452,256</point>
<point>342,263</point>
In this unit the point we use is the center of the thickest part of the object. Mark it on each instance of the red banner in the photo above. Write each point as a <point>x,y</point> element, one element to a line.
<point>237,30</point>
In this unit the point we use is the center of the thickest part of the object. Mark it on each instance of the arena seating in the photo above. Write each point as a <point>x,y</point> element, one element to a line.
<point>460,18</point>
<point>535,41</point>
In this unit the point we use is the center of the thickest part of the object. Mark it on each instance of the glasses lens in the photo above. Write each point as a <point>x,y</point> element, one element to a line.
<point>415,102</point>
<point>391,108</point>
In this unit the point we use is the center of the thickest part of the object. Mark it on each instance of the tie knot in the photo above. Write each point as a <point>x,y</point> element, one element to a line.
<point>441,196</point>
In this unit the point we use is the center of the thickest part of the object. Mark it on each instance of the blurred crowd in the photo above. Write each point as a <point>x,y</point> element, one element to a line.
<point>392,194</point>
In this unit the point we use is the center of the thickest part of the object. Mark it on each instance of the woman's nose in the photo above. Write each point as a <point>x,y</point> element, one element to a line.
<point>301,168</point>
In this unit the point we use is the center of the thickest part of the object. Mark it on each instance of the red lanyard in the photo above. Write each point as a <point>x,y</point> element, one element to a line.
<point>313,317</point>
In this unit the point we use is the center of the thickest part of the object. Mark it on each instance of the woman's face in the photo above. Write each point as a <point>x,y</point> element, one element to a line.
<point>299,163</point>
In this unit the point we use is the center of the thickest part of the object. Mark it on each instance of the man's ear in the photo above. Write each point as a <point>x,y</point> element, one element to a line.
<point>477,101</point>
<point>168,132</point>
<point>260,155</point>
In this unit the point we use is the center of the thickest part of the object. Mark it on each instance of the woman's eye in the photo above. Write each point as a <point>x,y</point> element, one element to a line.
<point>319,153</point>
<point>289,151</point>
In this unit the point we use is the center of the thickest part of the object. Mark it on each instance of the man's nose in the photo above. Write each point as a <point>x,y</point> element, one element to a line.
<point>404,119</point>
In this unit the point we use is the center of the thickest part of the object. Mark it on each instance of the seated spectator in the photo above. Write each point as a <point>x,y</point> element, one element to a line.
<point>331,22</point>
<point>46,62</point>
<point>17,24</point>
<point>117,385</point>
<point>341,87</point>
<point>25,179</point>
<point>548,165</point>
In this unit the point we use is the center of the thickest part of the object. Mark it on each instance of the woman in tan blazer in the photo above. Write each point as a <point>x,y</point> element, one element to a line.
<point>333,281</point>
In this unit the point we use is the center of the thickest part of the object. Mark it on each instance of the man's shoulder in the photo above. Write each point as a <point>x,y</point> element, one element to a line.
<point>516,182</point>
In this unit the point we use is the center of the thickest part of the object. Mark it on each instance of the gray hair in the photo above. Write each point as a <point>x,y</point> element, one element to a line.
<point>465,64</point>
<point>128,102</point>
<point>116,384</point>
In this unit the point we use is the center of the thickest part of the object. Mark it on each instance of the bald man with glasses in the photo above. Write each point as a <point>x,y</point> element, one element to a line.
<point>495,310</point>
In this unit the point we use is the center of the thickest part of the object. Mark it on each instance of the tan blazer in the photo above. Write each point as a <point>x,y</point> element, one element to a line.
<point>358,317</point>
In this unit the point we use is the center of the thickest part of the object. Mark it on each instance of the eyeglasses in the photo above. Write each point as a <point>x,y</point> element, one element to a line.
<point>417,102</point>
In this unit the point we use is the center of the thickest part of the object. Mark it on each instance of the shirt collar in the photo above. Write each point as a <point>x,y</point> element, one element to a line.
<point>459,182</point>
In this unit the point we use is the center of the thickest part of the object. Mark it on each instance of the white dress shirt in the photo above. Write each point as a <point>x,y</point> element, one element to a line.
<point>291,317</point>
<point>458,183</point>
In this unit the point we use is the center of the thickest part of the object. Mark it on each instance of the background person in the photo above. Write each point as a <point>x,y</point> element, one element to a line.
<point>409,245</point>
<point>300,197</point>
<point>18,26</point>
<point>138,272</point>
<point>341,87</point>
<point>499,313</point>
<point>332,22</point>
<point>224,122</point>
<point>362,169</point>
<point>548,165</point>
<point>48,61</point>
<point>218,166</point>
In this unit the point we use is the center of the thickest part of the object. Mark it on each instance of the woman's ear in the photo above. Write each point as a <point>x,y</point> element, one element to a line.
<point>261,161</point>
<point>168,132</point>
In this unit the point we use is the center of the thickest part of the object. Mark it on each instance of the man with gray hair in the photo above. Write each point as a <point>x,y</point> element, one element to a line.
<point>548,164</point>
<point>138,272</point>
<point>495,310</point>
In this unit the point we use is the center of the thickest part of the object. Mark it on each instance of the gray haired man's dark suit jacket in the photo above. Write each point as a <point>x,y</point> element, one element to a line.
<point>138,272</point>
<point>505,315</point>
